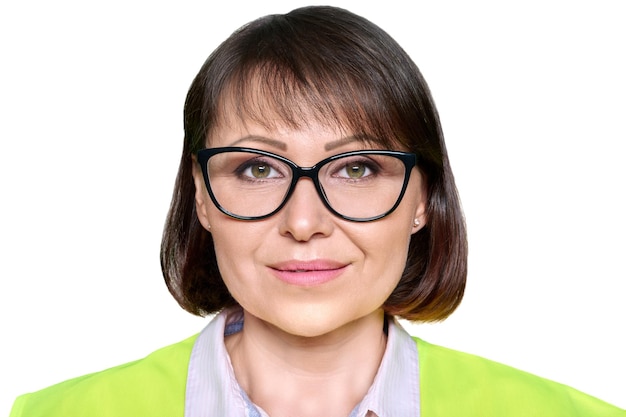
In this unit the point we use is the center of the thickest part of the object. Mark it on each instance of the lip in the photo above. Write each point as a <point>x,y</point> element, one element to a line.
<point>308,273</point>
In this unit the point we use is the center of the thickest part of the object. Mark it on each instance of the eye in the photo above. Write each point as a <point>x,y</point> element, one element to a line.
<point>356,170</point>
<point>258,170</point>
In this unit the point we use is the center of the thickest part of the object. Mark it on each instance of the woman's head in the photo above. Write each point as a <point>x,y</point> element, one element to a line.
<point>319,66</point>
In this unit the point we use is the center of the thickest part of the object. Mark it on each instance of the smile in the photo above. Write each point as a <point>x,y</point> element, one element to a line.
<point>308,273</point>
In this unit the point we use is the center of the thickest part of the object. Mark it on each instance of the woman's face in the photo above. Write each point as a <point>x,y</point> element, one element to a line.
<point>304,270</point>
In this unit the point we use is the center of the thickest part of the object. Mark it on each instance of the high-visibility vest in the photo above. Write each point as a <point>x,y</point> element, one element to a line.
<point>452,384</point>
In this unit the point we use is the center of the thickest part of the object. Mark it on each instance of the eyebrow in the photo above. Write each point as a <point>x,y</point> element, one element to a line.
<point>262,139</point>
<point>348,139</point>
<point>283,146</point>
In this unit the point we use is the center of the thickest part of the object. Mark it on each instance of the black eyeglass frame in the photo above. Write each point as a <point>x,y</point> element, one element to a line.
<point>203,156</point>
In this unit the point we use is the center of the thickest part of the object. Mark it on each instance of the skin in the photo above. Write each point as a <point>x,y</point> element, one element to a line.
<point>307,350</point>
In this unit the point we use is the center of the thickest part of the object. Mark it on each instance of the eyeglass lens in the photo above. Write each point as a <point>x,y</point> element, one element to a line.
<point>358,186</point>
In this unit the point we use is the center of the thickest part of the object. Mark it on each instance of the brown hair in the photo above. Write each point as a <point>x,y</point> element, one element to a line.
<point>338,67</point>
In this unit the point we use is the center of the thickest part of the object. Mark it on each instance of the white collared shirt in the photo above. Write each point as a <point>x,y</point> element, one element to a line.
<point>213,390</point>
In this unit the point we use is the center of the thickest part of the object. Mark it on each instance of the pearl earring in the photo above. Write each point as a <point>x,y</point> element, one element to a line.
<point>416,222</point>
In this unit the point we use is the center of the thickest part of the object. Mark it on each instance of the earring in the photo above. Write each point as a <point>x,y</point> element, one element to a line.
<point>416,222</point>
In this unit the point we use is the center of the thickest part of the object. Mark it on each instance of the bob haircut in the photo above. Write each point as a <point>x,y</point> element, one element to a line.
<point>328,64</point>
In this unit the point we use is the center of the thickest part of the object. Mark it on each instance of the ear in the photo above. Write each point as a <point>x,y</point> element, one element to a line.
<point>420,218</point>
<point>201,194</point>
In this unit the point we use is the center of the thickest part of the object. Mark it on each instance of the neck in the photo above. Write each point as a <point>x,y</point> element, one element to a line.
<point>287,374</point>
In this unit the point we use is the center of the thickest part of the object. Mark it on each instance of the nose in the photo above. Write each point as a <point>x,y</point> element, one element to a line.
<point>305,216</point>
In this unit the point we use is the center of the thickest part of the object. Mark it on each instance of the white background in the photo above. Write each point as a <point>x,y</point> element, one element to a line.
<point>532,99</point>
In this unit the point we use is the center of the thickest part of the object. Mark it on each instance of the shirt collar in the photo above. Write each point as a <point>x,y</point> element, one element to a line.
<point>212,389</point>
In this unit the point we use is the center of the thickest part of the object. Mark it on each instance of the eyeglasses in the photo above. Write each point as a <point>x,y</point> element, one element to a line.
<point>251,184</point>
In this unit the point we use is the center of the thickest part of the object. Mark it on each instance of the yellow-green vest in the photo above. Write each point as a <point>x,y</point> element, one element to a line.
<point>452,384</point>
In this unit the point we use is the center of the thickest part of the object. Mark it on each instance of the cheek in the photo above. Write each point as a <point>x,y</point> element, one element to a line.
<point>385,249</point>
<point>232,270</point>
<point>236,247</point>
<point>232,249</point>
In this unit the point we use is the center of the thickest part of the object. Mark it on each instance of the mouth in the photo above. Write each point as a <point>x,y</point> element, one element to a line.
<point>308,273</point>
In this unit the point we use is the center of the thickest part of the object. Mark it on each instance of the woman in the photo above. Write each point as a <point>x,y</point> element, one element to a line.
<point>314,205</point>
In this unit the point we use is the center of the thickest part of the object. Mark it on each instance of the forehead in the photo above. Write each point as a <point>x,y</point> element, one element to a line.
<point>281,103</point>
<point>271,127</point>
<point>310,141</point>
<point>254,103</point>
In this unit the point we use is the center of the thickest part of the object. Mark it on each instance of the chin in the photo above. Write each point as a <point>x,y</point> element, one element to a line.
<point>318,325</point>
<point>309,327</point>
<point>311,333</point>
